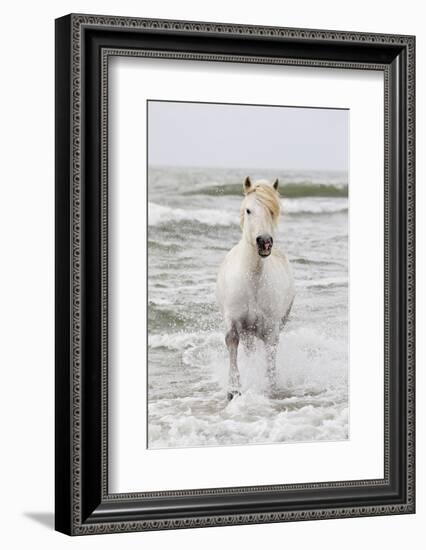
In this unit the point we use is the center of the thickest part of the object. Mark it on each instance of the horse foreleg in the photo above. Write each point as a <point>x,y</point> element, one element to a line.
<point>271,360</point>
<point>232,340</point>
<point>248,342</point>
<point>271,345</point>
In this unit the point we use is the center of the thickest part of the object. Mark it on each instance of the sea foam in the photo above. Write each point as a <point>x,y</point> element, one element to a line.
<point>162,215</point>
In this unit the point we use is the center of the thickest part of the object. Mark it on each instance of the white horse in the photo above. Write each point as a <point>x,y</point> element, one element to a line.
<point>255,288</point>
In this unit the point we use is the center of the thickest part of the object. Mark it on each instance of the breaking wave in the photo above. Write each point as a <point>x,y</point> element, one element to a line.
<point>288,190</point>
<point>160,215</point>
<point>311,403</point>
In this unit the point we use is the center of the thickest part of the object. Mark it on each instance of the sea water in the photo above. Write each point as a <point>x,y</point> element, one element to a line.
<point>193,220</point>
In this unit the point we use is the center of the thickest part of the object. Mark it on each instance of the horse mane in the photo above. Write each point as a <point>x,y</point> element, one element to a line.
<point>267,196</point>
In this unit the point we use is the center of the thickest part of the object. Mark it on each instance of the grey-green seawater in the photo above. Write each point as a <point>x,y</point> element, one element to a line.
<point>193,218</point>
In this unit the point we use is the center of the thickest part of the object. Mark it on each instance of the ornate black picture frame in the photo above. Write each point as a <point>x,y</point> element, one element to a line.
<point>84,43</point>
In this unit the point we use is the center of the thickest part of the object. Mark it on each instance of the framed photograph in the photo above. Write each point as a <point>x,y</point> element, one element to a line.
<point>234,274</point>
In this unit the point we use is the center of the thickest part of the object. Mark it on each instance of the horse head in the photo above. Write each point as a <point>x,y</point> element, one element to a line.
<point>259,214</point>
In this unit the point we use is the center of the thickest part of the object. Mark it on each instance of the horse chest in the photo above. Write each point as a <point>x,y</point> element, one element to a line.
<point>260,302</point>
<point>255,296</point>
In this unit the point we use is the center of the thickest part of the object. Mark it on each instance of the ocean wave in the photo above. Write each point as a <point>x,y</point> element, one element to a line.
<point>311,403</point>
<point>327,282</point>
<point>164,215</point>
<point>314,206</point>
<point>287,190</point>
<point>159,215</point>
<point>250,419</point>
<point>160,317</point>
<point>307,359</point>
<point>183,340</point>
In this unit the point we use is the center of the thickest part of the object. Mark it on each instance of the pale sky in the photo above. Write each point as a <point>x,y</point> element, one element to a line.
<point>245,136</point>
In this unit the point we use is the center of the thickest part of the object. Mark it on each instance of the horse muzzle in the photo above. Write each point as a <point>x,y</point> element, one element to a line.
<point>264,245</point>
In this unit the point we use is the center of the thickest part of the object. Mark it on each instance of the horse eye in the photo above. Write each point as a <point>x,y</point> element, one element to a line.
<point>248,211</point>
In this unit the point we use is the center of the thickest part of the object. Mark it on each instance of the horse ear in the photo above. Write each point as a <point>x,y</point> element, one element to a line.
<point>275,185</point>
<point>247,185</point>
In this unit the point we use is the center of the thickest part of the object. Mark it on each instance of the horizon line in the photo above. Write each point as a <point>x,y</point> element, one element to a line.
<point>253,168</point>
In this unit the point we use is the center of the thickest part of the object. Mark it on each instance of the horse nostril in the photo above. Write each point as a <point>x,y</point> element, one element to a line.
<point>264,241</point>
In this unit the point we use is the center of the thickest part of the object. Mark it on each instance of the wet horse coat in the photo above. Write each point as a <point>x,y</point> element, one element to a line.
<point>255,288</point>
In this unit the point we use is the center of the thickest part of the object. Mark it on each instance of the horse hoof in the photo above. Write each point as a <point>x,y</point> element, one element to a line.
<point>231,394</point>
